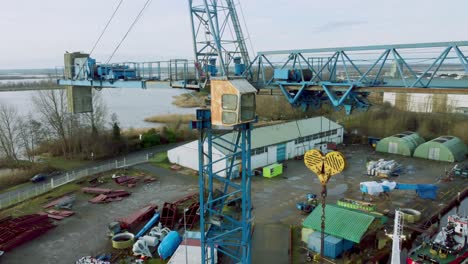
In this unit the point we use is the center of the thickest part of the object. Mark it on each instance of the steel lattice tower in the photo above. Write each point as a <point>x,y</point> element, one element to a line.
<point>228,231</point>
<point>217,34</point>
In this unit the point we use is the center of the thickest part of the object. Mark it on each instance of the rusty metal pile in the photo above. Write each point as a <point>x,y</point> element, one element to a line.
<point>16,231</point>
<point>105,195</point>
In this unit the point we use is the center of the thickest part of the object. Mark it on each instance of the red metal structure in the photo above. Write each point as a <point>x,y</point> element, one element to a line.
<point>132,220</point>
<point>16,231</point>
<point>169,215</point>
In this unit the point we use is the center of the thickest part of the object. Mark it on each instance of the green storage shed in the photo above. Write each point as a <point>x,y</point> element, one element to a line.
<point>402,144</point>
<point>443,148</point>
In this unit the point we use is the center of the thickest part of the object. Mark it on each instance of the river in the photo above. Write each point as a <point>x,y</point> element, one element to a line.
<point>132,106</point>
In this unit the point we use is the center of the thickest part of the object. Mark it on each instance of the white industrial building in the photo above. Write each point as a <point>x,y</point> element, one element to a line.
<point>270,144</point>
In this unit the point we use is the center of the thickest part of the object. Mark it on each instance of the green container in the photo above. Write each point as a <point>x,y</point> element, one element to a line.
<point>273,170</point>
<point>357,205</point>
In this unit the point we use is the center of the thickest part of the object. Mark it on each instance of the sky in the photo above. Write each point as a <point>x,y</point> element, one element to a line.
<point>35,34</point>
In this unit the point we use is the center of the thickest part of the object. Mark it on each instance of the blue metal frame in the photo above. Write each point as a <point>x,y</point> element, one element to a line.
<point>364,71</point>
<point>210,21</point>
<point>231,238</point>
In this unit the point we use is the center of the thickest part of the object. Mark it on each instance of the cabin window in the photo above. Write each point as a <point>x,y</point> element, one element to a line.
<point>229,102</point>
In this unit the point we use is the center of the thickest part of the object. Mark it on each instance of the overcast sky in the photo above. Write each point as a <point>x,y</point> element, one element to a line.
<point>36,33</point>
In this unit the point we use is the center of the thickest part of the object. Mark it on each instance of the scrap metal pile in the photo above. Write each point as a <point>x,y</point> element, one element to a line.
<point>383,168</point>
<point>105,195</point>
<point>16,231</point>
<point>153,229</point>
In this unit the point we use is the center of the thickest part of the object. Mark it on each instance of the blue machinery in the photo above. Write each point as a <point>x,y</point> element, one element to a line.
<point>345,76</point>
<point>223,227</point>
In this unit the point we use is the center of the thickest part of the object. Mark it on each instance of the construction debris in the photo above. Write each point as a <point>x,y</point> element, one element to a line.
<point>383,168</point>
<point>149,179</point>
<point>113,195</point>
<point>122,180</point>
<point>57,215</point>
<point>169,215</point>
<point>65,202</point>
<point>132,220</point>
<point>123,240</point>
<point>92,190</point>
<point>91,260</point>
<point>16,231</point>
<point>176,167</point>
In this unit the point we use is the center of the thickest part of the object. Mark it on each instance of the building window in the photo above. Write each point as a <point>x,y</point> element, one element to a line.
<point>316,136</point>
<point>334,131</point>
<point>258,151</point>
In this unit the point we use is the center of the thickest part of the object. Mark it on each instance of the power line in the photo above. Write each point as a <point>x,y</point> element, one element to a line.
<point>105,28</point>
<point>129,29</point>
<point>246,29</point>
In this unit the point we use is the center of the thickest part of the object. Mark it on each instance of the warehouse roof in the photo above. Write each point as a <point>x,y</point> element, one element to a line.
<point>275,134</point>
<point>340,222</point>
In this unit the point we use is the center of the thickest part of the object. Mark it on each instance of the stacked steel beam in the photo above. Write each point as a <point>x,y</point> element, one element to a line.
<point>16,231</point>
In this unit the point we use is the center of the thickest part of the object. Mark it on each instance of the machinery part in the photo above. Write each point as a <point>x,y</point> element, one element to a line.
<point>140,248</point>
<point>397,232</point>
<point>410,215</point>
<point>148,225</point>
<point>304,207</point>
<point>123,240</point>
<point>169,245</point>
<point>309,205</point>
<point>114,228</point>
<point>159,232</point>
<point>324,165</point>
<point>150,240</point>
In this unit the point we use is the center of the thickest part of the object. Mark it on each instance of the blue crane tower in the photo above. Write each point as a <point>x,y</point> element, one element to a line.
<point>220,61</point>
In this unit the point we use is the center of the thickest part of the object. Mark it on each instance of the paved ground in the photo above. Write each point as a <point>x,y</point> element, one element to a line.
<point>131,158</point>
<point>85,233</point>
<point>273,200</point>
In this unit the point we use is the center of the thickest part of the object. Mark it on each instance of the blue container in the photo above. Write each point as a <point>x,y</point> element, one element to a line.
<point>169,245</point>
<point>347,245</point>
<point>333,245</point>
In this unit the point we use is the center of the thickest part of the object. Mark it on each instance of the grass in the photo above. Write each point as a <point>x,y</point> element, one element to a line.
<point>65,164</point>
<point>21,176</point>
<point>170,118</point>
<point>15,187</point>
<point>161,160</point>
<point>189,100</point>
<point>34,205</point>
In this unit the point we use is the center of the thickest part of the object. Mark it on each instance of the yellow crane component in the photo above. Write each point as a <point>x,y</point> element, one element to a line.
<point>324,166</point>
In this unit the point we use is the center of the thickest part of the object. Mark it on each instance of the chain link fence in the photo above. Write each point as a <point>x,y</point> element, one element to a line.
<point>31,191</point>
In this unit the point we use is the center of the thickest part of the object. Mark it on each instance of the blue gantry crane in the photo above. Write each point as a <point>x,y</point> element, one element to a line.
<point>344,76</point>
<point>307,78</point>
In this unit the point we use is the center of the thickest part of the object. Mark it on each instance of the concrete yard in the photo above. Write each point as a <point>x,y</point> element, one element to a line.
<point>273,200</point>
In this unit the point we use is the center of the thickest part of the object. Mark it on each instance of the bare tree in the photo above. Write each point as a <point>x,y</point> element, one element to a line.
<point>31,133</point>
<point>52,106</point>
<point>96,119</point>
<point>8,131</point>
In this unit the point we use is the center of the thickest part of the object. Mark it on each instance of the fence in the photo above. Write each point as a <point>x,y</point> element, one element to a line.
<point>31,191</point>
